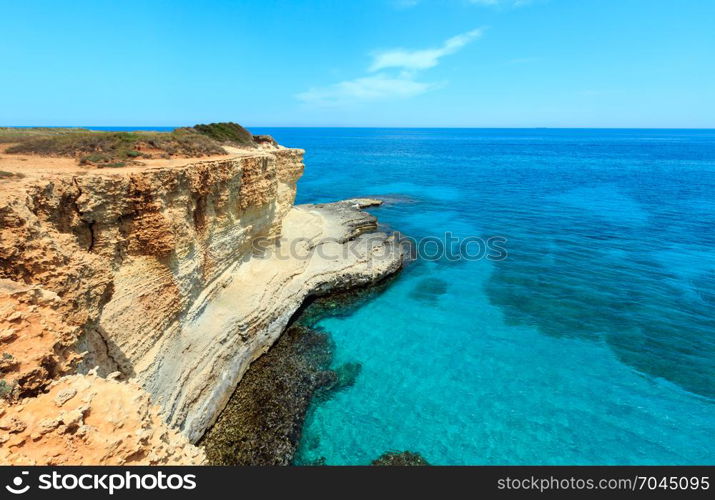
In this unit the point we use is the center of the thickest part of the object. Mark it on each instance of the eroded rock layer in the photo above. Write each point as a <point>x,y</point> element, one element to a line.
<point>85,419</point>
<point>174,277</point>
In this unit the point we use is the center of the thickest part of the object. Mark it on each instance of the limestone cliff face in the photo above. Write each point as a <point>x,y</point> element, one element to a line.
<point>154,275</point>
<point>126,254</point>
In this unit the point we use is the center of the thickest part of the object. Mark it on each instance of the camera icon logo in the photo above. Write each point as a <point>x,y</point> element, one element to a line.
<point>17,488</point>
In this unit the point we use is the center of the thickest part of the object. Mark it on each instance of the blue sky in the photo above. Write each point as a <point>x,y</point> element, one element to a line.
<point>468,63</point>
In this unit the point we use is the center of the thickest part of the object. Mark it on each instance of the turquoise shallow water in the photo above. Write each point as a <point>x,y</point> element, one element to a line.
<point>593,342</point>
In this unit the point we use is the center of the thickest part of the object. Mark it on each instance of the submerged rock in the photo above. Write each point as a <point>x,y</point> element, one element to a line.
<point>262,421</point>
<point>347,374</point>
<point>404,458</point>
<point>429,290</point>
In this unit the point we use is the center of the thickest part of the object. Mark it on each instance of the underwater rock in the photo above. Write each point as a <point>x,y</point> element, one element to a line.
<point>346,375</point>
<point>429,289</point>
<point>402,459</point>
<point>262,421</point>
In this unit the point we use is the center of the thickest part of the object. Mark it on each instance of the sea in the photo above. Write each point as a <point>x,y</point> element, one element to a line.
<point>589,340</point>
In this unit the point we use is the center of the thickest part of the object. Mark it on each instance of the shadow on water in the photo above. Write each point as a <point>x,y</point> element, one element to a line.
<point>583,288</point>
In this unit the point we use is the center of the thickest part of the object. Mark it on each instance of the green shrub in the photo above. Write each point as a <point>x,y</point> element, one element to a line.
<point>226,132</point>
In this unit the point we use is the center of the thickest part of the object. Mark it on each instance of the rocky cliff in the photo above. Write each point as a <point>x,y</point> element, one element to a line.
<point>132,300</point>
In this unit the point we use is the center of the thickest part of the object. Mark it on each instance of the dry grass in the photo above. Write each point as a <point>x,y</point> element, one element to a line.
<point>115,149</point>
<point>18,134</point>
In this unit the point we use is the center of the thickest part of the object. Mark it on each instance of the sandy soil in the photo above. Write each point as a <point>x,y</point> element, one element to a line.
<point>20,166</point>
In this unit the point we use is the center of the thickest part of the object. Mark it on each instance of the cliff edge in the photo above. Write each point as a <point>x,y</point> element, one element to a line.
<point>133,299</point>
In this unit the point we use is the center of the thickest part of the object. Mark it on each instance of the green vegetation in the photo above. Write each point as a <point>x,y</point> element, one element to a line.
<point>5,389</point>
<point>227,133</point>
<point>115,149</point>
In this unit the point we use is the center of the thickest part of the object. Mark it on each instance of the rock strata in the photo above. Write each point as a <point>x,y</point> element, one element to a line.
<point>164,282</point>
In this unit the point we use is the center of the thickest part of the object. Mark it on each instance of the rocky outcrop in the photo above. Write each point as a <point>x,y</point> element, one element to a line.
<point>91,420</point>
<point>173,277</point>
<point>36,345</point>
<point>322,249</point>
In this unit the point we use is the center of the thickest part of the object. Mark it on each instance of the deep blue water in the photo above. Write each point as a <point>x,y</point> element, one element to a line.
<point>593,342</point>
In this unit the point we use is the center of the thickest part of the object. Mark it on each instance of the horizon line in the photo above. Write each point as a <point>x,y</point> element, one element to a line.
<point>454,127</point>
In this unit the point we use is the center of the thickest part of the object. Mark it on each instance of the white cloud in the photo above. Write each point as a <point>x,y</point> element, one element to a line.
<point>399,83</point>
<point>421,59</point>
<point>368,88</point>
